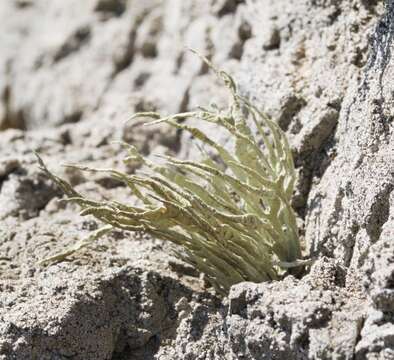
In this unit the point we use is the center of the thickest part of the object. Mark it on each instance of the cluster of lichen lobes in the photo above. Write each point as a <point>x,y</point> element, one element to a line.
<point>230,213</point>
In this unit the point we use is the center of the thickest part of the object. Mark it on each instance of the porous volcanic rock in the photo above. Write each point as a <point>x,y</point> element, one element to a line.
<point>72,73</point>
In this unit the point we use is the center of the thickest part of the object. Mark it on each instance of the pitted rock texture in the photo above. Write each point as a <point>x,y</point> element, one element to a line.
<point>124,313</point>
<point>72,73</point>
<point>292,319</point>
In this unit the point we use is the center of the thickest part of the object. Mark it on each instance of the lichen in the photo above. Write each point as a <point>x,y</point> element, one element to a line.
<point>229,214</point>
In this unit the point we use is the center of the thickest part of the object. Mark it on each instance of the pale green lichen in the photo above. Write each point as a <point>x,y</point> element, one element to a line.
<point>230,213</point>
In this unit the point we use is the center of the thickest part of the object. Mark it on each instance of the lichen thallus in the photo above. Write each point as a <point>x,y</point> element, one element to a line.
<point>229,214</point>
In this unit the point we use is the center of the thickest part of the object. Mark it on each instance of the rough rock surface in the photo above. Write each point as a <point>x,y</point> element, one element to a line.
<point>72,72</point>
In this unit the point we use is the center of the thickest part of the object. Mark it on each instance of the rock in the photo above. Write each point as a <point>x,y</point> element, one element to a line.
<point>91,318</point>
<point>305,319</point>
<point>355,188</point>
<point>376,338</point>
<point>272,40</point>
<point>7,166</point>
<point>379,268</point>
<point>25,195</point>
<point>70,75</point>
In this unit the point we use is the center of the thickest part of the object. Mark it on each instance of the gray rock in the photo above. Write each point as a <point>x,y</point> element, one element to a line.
<point>90,317</point>
<point>7,166</point>
<point>305,319</point>
<point>70,75</point>
<point>25,194</point>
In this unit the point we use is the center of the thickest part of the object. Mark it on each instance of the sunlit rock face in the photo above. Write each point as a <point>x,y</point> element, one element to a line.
<point>72,72</point>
